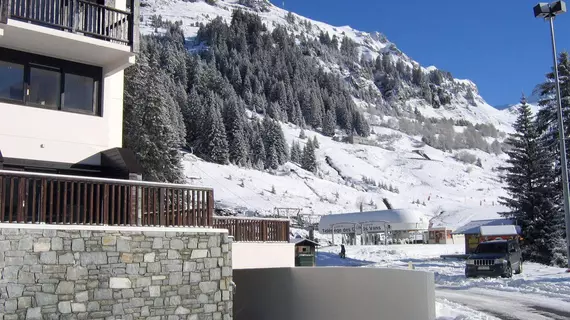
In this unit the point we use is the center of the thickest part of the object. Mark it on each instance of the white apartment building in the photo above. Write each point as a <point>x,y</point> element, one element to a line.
<point>61,84</point>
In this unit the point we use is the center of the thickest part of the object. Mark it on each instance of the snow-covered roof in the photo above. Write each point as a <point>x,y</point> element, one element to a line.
<point>396,219</point>
<point>299,240</point>
<point>474,227</point>
<point>505,230</point>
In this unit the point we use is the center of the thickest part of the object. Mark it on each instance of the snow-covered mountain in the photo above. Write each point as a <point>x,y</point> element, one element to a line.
<point>388,164</point>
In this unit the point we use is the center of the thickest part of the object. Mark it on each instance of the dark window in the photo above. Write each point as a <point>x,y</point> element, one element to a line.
<point>11,81</point>
<point>45,82</point>
<point>45,87</point>
<point>80,93</point>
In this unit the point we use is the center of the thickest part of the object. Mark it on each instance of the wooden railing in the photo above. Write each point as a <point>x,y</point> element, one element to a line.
<point>245,229</point>
<point>27,197</point>
<point>78,16</point>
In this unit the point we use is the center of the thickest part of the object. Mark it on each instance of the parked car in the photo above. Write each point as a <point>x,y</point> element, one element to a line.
<point>495,258</point>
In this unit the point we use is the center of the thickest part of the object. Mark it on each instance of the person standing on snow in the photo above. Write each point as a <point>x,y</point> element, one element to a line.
<point>342,252</point>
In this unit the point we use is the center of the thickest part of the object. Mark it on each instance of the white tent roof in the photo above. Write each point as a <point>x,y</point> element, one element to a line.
<point>397,219</point>
<point>506,230</point>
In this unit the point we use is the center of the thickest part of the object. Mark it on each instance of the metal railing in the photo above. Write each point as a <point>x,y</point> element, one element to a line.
<point>245,229</point>
<point>78,16</point>
<point>27,197</point>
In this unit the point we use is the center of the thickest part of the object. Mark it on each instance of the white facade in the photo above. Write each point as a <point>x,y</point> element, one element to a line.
<point>36,133</point>
<point>257,255</point>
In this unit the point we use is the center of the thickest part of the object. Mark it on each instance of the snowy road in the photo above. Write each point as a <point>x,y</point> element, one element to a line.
<point>508,306</point>
<point>540,292</point>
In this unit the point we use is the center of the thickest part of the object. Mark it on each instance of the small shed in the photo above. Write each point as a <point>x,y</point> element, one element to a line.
<point>473,231</point>
<point>443,235</point>
<point>305,252</point>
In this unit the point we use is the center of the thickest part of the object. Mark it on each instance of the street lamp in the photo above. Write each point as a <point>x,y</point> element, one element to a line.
<point>549,12</point>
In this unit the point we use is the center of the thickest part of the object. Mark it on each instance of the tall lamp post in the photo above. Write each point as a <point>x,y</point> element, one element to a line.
<point>549,11</point>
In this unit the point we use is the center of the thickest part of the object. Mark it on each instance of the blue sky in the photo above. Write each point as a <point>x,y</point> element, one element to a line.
<point>497,44</point>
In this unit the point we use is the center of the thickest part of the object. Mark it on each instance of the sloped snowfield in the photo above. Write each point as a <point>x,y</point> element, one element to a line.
<point>453,191</point>
<point>540,292</point>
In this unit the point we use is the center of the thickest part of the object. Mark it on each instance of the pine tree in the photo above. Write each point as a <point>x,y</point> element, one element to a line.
<point>315,142</point>
<point>530,191</point>
<point>309,161</point>
<point>235,123</point>
<point>215,147</point>
<point>329,123</point>
<point>296,152</point>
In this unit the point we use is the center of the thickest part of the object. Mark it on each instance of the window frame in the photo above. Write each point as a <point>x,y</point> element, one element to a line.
<point>29,60</point>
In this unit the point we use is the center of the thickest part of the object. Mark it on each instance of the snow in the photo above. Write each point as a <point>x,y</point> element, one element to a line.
<point>505,230</point>
<point>540,292</point>
<point>450,191</point>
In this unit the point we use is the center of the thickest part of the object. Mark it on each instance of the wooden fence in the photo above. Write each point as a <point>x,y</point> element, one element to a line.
<point>254,229</point>
<point>27,197</point>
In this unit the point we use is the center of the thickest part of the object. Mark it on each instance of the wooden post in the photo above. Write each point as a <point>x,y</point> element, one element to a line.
<point>135,201</point>
<point>134,35</point>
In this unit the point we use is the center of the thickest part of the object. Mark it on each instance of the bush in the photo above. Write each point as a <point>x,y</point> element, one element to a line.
<point>465,157</point>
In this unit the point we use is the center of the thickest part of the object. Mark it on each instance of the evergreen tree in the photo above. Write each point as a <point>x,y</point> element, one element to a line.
<point>235,123</point>
<point>315,142</point>
<point>149,128</point>
<point>329,123</point>
<point>296,152</point>
<point>215,146</point>
<point>309,161</point>
<point>530,191</point>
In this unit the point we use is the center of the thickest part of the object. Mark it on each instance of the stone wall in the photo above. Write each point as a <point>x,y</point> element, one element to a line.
<point>78,272</point>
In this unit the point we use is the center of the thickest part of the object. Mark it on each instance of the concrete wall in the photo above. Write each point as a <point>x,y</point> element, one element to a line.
<point>334,294</point>
<point>248,255</point>
<point>52,135</point>
<point>88,272</point>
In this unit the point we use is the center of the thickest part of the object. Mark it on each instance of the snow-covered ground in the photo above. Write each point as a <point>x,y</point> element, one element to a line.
<point>540,292</point>
<point>453,191</point>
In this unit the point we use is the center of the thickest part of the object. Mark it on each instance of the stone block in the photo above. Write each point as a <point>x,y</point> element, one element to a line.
<point>15,290</point>
<point>24,302</point>
<point>26,244</point>
<point>41,246</point>
<point>195,277</point>
<point>154,291</point>
<point>127,257</point>
<point>109,240</point>
<point>34,313</point>
<point>56,244</point>
<point>149,257</point>
<point>189,266</point>
<point>76,273</point>
<point>78,307</point>
<point>181,310</point>
<point>103,294</point>
<point>127,293</point>
<point>67,258</point>
<point>78,245</point>
<point>118,309</point>
<point>120,283</point>
<point>45,299</point>
<point>11,305</point>
<point>173,255</point>
<point>82,296</point>
<point>64,307</point>
<point>216,252</point>
<point>65,287</point>
<point>93,306</point>
<point>176,244</point>
<point>48,257</point>
<point>123,244</point>
<point>90,258</point>
<point>198,254</point>
<point>143,282</point>
<point>157,243</point>
<point>208,286</point>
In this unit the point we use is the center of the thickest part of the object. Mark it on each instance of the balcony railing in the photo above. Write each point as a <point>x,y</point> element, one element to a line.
<point>77,16</point>
<point>27,197</point>
<point>254,229</point>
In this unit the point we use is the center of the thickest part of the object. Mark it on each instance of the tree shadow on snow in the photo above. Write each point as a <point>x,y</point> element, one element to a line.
<point>328,259</point>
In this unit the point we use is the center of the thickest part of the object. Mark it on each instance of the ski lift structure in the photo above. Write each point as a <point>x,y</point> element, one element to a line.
<point>401,225</point>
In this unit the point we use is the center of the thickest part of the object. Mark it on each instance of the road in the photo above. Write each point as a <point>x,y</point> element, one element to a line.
<point>507,305</point>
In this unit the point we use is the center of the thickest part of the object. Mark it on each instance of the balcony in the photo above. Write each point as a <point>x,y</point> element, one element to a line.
<point>75,30</point>
<point>27,197</point>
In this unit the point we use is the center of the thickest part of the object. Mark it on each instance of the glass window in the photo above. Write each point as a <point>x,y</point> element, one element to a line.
<point>11,81</point>
<point>79,93</point>
<point>45,87</point>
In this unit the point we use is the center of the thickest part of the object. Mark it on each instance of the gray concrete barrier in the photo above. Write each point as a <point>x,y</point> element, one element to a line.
<point>334,294</point>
